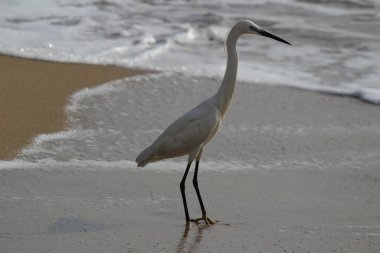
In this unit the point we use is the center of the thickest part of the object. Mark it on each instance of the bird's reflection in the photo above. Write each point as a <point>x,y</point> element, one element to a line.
<point>191,237</point>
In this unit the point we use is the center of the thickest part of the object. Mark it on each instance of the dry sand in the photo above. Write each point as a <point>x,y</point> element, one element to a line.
<point>34,93</point>
<point>323,195</point>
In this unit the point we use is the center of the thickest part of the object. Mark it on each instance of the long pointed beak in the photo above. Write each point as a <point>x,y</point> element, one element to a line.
<point>269,35</point>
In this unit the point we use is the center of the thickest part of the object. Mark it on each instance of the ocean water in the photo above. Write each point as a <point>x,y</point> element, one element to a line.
<point>335,48</point>
<point>335,43</point>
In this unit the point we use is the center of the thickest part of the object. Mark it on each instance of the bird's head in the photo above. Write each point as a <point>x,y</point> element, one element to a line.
<point>248,27</point>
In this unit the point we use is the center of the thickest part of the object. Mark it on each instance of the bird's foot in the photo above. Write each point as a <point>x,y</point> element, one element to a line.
<point>207,220</point>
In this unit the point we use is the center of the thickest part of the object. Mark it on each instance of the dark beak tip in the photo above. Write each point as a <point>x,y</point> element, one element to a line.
<point>272,36</point>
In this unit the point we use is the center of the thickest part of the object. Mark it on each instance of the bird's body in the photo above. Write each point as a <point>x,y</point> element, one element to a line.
<point>187,135</point>
<point>192,131</point>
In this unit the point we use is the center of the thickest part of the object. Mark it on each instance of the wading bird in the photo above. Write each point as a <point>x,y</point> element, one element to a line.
<point>192,131</point>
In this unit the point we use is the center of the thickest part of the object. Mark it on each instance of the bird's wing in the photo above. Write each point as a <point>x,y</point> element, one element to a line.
<point>190,131</point>
<point>201,115</point>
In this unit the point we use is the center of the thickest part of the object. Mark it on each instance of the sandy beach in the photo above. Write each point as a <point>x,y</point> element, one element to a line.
<point>34,93</point>
<point>313,184</point>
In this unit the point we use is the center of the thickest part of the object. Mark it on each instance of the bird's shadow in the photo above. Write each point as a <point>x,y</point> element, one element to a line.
<point>191,237</point>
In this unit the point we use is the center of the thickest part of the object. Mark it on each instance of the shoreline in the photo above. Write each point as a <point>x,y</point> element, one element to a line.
<point>35,93</point>
<point>312,186</point>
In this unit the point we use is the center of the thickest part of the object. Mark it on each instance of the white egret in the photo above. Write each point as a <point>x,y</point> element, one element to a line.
<point>192,131</point>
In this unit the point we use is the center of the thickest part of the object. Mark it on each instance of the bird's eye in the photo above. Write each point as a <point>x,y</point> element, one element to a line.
<point>252,28</point>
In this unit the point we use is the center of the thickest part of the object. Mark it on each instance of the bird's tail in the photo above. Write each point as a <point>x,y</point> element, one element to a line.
<point>144,157</point>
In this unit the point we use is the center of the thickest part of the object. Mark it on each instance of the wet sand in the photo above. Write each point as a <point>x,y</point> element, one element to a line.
<point>314,186</point>
<point>141,211</point>
<point>34,93</point>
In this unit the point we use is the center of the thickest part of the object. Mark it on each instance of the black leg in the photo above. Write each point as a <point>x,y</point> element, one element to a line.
<point>195,183</point>
<point>182,186</point>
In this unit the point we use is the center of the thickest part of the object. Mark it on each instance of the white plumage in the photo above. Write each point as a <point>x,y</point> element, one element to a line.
<point>192,131</point>
<point>187,135</point>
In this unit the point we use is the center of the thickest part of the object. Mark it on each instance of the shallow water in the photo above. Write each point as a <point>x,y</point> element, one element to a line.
<point>112,123</point>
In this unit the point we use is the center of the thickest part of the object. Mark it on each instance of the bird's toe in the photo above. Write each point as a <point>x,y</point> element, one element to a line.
<point>206,219</point>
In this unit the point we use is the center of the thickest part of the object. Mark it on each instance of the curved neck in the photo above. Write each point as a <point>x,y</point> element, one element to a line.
<point>224,94</point>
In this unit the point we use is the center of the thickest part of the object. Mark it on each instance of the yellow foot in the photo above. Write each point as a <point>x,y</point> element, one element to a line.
<point>207,220</point>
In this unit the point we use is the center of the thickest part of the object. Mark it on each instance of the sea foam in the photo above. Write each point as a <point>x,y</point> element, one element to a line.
<point>330,48</point>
